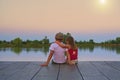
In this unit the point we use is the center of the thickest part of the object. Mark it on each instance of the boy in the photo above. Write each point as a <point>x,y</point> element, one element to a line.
<point>57,52</point>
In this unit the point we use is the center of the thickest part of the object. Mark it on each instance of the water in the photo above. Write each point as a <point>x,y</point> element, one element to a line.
<point>41,54</point>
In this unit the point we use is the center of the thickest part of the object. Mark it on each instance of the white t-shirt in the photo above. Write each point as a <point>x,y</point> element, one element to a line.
<point>59,53</point>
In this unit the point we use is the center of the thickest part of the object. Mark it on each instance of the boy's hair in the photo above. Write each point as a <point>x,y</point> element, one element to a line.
<point>71,42</point>
<point>59,39</point>
<point>59,36</point>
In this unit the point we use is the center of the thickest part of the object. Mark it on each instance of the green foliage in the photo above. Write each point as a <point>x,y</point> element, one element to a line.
<point>90,42</point>
<point>4,44</point>
<point>45,40</point>
<point>117,41</point>
<point>65,36</point>
<point>17,42</point>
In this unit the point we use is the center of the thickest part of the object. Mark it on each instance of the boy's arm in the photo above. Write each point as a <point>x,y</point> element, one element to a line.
<point>49,58</point>
<point>61,45</point>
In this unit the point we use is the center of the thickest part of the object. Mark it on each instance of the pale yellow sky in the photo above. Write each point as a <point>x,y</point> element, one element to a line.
<point>85,16</point>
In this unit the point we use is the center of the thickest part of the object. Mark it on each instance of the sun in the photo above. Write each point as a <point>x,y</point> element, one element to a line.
<point>102,1</point>
<point>102,5</point>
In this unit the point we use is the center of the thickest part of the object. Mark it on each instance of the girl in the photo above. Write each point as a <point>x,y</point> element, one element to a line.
<point>72,50</point>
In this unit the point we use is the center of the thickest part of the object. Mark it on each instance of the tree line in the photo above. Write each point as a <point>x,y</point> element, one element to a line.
<point>116,41</point>
<point>18,42</point>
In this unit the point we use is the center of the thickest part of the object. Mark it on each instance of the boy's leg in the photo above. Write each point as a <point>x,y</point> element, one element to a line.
<point>57,63</point>
<point>54,62</point>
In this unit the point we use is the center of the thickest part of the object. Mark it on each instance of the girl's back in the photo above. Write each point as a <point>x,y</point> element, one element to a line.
<point>73,53</point>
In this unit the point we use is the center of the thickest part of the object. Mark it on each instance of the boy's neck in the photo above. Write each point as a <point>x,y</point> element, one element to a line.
<point>59,41</point>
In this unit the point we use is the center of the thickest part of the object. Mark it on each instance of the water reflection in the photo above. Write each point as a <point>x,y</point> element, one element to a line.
<point>112,48</point>
<point>90,48</point>
<point>45,50</point>
<point>5,49</point>
<point>86,53</point>
<point>16,50</point>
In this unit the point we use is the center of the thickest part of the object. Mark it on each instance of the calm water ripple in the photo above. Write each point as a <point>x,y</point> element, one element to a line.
<point>40,54</point>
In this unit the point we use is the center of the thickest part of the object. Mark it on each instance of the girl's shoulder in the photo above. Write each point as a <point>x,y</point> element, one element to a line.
<point>74,49</point>
<point>68,46</point>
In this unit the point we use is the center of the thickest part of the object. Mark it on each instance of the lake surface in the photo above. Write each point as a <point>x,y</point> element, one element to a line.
<point>40,54</point>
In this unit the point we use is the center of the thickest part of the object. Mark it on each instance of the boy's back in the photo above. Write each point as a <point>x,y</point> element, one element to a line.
<point>59,53</point>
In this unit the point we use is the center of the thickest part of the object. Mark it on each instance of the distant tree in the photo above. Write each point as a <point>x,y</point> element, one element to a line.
<point>45,40</point>
<point>40,42</point>
<point>85,42</point>
<point>28,41</point>
<point>112,42</point>
<point>80,42</point>
<point>17,42</point>
<point>76,42</point>
<point>118,40</point>
<point>45,37</point>
<point>91,41</point>
<point>3,43</point>
<point>68,34</point>
<point>65,36</point>
<point>35,43</point>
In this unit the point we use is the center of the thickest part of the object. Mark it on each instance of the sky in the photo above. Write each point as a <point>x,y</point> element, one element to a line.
<point>84,19</point>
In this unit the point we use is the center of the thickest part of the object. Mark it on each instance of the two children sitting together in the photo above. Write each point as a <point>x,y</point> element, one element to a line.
<point>58,51</point>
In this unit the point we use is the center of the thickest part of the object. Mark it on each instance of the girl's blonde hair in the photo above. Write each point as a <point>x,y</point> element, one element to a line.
<point>71,42</point>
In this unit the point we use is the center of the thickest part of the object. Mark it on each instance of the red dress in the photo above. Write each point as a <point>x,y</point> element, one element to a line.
<point>73,54</point>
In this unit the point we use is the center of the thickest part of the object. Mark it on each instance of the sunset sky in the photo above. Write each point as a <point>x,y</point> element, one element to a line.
<point>84,19</point>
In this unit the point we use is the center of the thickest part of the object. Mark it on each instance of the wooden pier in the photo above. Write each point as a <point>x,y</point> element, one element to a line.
<point>84,70</point>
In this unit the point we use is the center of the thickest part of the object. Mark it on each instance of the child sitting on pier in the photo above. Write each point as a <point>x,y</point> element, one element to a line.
<point>71,50</point>
<point>57,53</point>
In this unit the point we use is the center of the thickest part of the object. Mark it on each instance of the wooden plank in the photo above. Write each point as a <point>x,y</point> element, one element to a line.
<point>26,73</point>
<point>114,64</point>
<point>48,73</point>
<point>11,69</point>
<point>89,72</point>
<point>108,71</point>
<point>69,72</point>
<point>82,71</point>
<point>4,65</point>
<point>95,78</point>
